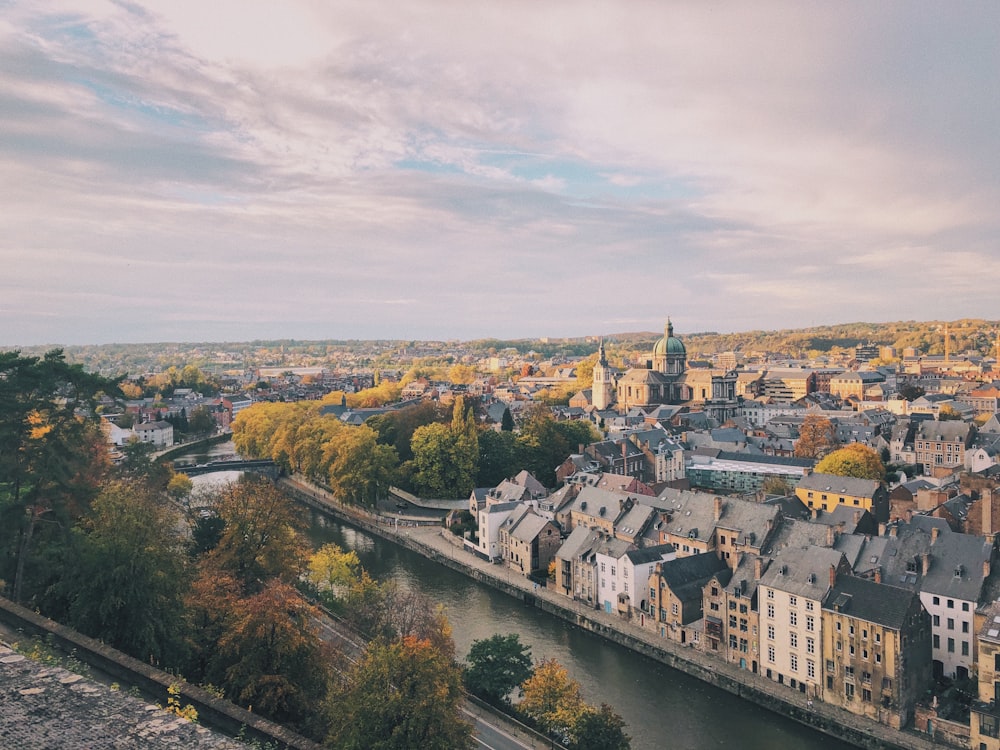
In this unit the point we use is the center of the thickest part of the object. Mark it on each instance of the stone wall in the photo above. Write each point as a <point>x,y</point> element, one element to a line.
<point>212,712</point>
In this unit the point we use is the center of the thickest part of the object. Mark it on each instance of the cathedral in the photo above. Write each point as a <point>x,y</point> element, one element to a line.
<point>666,380</point>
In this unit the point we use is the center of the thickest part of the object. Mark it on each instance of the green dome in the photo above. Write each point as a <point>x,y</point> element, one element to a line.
<point>669,344</point>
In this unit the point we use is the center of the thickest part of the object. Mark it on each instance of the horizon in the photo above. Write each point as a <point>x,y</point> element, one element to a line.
<point>229,173</point>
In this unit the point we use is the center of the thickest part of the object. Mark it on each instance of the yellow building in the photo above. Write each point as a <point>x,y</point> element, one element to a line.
<point>985,718</point>
<point>827,491</point>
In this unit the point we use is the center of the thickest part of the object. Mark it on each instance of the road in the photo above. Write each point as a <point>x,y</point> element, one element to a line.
<point>489,734</point>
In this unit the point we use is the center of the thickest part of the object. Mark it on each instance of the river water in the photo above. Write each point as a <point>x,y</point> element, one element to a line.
<point>663,708</point>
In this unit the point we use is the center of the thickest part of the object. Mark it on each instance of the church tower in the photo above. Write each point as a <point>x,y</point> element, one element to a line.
<point>603,388</point>
<point>669,354</point>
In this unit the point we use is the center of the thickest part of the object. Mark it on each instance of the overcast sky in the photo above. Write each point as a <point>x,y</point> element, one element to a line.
<point>231,169</point>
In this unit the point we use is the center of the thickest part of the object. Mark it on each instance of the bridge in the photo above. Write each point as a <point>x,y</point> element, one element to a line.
<point>258,466</point>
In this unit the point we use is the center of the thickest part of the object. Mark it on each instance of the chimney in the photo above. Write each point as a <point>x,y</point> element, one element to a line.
<point>986,498</point>
<point>925,561</point>
<point>893,530</point>
<point>833,576</point>
<point>986,568</point>
<point>881,529</point>
<point>815,513</point>
<point>831,536</point>
<point>718,508</point>
<point>934,534</point>
<point>878,574</point>
<point>857,517</point>
<point>758,568</point>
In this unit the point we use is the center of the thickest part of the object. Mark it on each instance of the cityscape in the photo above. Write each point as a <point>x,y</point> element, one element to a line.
<point>520,375</point>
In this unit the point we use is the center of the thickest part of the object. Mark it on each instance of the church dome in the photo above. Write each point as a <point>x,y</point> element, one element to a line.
<point>669,344</point>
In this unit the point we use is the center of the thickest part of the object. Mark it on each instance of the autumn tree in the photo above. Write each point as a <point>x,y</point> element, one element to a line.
<point>854,460</point>
<point>260,538</point>
<point>497,665</point>
<point>817,436</point>
<point>402,694</point>
<point>274,660</point>
<point>551,698</point>
<point>126,581</point>
<point>360,469</point>
<point>334,570</point>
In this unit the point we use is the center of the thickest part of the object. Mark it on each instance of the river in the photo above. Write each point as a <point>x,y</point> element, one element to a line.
<point>661,706</point>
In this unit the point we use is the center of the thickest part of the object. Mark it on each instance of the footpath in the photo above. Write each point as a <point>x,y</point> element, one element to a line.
<point>437,544</point>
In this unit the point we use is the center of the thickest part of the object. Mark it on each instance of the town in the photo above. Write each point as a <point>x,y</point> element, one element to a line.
<point>714,511</point>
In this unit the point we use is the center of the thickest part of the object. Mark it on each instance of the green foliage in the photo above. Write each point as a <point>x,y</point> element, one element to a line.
<point>127,578</point>
<point>854,460</point>
<point>402,694</point>
<point>600,729</point>
<point>497,665</point>
<point>446,457</point>
<point>52,458</point>
<point>499,457</point>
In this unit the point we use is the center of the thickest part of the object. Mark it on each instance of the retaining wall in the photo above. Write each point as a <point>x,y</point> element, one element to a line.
<point>213,712</point>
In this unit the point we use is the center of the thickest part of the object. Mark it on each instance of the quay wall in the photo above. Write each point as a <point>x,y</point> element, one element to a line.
<point>856,730</point>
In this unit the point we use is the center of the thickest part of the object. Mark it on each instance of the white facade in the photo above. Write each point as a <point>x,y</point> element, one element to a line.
<point>952,631</point>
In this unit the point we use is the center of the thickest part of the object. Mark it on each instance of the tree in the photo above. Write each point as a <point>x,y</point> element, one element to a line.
<point>334,570</point>
<point>947,412</point>
<point>854,460</point>
<point>497,665</point>
<point>911,392</point>
<point>274,660</point>
<point>600,729</point>
<point>127,581</point>
<point>402,694</point>
<point>817,437</point>
<point>360,470</point>
<point>498,457</point>
<point>260,539</point>
<point>201,421</point>
<point>52,455</point>
<point>551,698</point>
<point>445,457</point>
<point>775,486</point>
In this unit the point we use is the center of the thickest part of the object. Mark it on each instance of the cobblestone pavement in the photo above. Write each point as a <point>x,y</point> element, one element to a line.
<point>50,708</point>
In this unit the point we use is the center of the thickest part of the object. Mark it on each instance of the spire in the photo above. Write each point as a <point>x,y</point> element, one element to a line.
<point>670,329</point>
<point>602,358</point>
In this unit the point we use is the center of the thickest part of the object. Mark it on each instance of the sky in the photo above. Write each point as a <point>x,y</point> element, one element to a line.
<point>235,170</point>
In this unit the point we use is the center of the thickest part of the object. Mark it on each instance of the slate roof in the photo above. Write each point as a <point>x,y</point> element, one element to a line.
<point>870,601</point>
<point>528,527</point>
<point>686,576</point>
<point>839,485</point>
<point>802,571</point>
<point>649,554</point>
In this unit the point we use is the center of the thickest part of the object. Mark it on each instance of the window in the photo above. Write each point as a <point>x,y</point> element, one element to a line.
<point>830,665</point>
<point>936,599</point>
<point>809,604</point>
<point>770,611</point>
<point>937,621</point>
<point>810,622</point>
<point>744,645</point>
<point>951,604</point>
<point>732,642</point>
<point>652,595</point>
<point>673,608</point>
<point>770,654</point>
<point>732,605</point>
<point>878,637</point>
<point>951,645</point>
<point>811,670</point>
<point>951,623</point>
<point>866,677</point>
<point>965,627</point>
<point>793,618</point>
<point>810,645</point>
<point>878,658</point>
<point>770,632</point>
<point>864,634</point>
<point>732,621</point>
<point>866,695</point>
<point>793,640</point>
<point>965,606</point>
<point>793,661</point>
<point>965,648</point>
<point>770,593</point>
<point>602,567</point>
<point>937,641</point>
<point>849,690</point>
<point>851,630</point>
<point>848,673</point>
<point>715,590</point>
<point>793,601</point>
<point>744,625</point>
<point>612,570</point>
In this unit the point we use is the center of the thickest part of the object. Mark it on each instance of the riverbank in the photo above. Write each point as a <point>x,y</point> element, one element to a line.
<point>446,549</point>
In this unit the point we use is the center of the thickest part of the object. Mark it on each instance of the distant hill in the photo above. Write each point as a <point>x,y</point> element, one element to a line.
<point>926,337</point>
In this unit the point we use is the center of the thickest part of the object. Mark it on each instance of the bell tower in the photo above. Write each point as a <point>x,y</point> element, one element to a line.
<point>603,388</point>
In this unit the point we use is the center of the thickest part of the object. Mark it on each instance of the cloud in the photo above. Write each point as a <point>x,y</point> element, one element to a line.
<point>317,170</point>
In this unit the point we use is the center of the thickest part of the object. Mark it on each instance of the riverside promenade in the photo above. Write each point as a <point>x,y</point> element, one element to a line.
<point>437,544</point>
